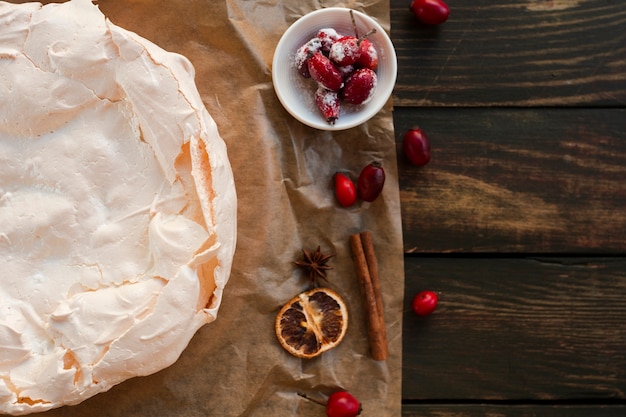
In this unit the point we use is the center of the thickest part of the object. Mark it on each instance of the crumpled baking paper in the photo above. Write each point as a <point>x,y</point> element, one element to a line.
<point>283,174</point>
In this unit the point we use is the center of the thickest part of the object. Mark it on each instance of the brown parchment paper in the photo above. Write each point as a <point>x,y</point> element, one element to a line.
<point>283,174</point>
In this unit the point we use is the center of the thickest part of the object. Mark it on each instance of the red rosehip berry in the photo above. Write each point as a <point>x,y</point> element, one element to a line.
<point>345,190</point>
<point>371,181</point>
<point>431,12</point>
<point>416,146</point>
<point>360,86</point>
<point>342,404</point>
<point>345,51</point>
<point>328,103</point>
<point>325,72</point>
<point>424,303</point>
<point>304,53</point>
<point>369,56</point>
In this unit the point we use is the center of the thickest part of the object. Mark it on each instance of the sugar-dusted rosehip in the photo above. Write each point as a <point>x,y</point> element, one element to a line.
<point>345,51</point>
<point>304,53</point>
<point>328,103</point>
<point>431,12</point>
<point>360,86</point>
<point>416,146</point>
<point>371,182</point>
<point>325,72</point>
<point>368,57</point>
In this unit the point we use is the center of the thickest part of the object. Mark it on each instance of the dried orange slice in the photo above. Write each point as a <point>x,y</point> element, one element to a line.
<point>312,322</point>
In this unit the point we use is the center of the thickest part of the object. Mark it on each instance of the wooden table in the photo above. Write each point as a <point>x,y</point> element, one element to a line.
<point>519,220</point>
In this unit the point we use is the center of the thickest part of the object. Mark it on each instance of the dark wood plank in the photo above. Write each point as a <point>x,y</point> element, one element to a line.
<point>515,180</point>
<point>513,53</point>
<point>513,411</point>
<point>516,329</point>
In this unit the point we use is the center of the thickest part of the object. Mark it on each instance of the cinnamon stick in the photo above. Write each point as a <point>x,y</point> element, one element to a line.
<point>372,264</point>
<point>375,316</point>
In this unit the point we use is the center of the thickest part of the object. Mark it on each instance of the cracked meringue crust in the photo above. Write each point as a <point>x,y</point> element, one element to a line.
<point>117,206</point>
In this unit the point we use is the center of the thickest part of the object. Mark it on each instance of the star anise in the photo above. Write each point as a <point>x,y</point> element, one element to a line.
<point>315,263</point>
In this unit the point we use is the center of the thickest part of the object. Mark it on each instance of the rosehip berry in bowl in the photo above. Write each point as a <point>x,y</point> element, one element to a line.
<point>430,12</point>
<point>369,55</point>
<point>360,87</point>
<point>304,53</point>
<point>328,103</point>
<point>371,182</point>
<point>325,72</point>
<point>416,146</point>
<point>424,303</point>
<point>346,51</point>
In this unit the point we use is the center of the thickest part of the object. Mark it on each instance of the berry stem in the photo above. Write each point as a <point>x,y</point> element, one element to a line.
<point>316,401</point>
<point>371,32</point>
<point>356,31</point>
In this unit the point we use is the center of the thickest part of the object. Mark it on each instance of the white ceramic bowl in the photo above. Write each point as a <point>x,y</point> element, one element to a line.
<point>297,93</point>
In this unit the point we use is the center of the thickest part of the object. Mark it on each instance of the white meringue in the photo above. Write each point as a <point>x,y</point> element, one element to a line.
<point>117,206</point>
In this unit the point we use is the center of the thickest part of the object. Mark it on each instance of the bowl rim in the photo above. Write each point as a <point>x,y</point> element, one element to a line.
<point>370,110</point>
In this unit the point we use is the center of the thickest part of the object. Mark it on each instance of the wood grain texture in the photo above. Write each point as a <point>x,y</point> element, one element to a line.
<point>535,329</point>
<point>524,105</point>
<point>513,53</point>
<point>513,411</point>
<point>515,180</point>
